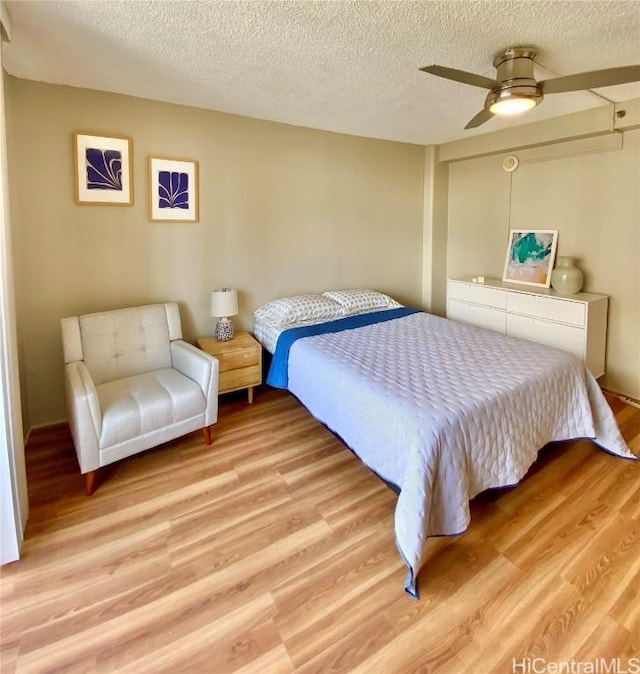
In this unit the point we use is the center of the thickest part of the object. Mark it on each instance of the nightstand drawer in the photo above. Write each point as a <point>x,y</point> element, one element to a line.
<point>239,378</point>
<point>238,358</point>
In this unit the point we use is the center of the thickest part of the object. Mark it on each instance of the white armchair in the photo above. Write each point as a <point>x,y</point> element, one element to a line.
<point>132,384</point>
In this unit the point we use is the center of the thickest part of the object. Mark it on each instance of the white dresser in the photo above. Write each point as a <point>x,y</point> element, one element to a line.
<point>575,323</point>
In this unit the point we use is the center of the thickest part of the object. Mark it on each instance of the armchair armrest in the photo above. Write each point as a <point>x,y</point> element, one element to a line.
<point>201,368</point>
<point>86,418</point>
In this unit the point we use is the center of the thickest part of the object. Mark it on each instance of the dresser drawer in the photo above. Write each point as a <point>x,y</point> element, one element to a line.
<point>478,294</point>
<point>551,308</point>
<point>565,337</point>
<point>482,317</point>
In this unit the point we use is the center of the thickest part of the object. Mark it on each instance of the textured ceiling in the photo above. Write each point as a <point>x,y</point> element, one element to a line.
<point>339,65</point>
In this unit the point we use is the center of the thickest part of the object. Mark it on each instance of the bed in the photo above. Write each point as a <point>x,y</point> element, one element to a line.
<point>440,409</point>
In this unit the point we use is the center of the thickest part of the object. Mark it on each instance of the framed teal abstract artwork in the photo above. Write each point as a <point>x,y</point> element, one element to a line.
<point>102,169</point>
<point>173,190</point>
<point>530,256</point>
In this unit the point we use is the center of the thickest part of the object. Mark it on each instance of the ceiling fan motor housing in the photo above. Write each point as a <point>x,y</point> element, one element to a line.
<point>515,72</point>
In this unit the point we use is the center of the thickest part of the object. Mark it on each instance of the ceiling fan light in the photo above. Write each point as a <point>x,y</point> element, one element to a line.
<point>513,99</point>
<point>512,106</point>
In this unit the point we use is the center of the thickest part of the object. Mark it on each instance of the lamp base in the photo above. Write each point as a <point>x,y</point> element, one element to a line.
<point>224,330</point>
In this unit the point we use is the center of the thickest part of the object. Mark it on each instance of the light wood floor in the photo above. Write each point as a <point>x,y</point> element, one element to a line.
<point>273,551</point>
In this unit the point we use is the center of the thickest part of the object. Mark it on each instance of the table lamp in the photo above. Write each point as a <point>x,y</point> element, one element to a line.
<point>224,303</point>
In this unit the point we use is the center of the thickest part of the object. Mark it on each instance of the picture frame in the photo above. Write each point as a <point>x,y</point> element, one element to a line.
<point>530,256</point>
<point>173,190</point>
<point>103,174</point>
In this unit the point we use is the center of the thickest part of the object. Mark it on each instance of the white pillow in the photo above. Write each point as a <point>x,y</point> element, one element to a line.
<point>361,299</point>
<point>296,308</point>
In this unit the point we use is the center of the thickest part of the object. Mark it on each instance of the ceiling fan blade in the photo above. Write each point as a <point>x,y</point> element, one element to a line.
<point>482,117</point>
<point>462,76</point>
<point>591,80</point>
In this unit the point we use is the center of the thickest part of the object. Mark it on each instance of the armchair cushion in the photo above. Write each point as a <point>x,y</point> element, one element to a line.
<point>134,406</point>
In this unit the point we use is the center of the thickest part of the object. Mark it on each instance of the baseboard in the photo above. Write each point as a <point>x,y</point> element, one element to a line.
<point>44,429</point>
<point>623,397</point>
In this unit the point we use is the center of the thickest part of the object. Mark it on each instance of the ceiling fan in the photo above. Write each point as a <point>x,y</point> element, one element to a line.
<point>515,88</point>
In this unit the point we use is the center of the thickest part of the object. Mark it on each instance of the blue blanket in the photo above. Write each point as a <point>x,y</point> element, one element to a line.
<point>278,376</point>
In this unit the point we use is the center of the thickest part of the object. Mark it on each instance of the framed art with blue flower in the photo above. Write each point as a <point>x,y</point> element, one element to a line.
<point>173,190</point>
<point>102,167</point>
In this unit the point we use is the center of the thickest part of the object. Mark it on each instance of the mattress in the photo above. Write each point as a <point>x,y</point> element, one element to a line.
<point>267,332</point>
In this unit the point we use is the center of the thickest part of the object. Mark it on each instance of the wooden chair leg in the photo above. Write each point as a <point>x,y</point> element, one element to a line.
<point>207,434</point>
<point>90,482</point>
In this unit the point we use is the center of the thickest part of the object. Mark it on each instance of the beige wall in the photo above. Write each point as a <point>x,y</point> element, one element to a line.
<point>286,209</point>
<point>282,210</point>
<point>589,190</point>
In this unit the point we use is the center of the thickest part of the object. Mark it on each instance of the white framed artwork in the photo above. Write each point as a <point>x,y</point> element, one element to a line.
<point>530,256</point>
<point>173,190</point>
<point>102,169</point>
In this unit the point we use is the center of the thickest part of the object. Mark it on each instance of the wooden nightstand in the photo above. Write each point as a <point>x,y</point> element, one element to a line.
<point>240,361</point>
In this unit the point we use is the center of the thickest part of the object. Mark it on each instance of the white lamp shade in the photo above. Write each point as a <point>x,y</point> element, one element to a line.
<point>224,303</point>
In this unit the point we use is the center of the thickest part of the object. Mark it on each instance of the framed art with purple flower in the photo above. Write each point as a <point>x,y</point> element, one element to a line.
<point>173,190</point>
<point>102,168</point>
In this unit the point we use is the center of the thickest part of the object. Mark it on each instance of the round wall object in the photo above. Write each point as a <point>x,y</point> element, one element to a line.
<point>510,163</point>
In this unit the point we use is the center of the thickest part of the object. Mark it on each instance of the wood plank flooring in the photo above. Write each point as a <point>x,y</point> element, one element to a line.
<point>272,550</point>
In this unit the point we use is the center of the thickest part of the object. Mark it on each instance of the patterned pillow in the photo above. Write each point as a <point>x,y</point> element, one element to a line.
<point>299,308</point>
<point>361,299</point>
